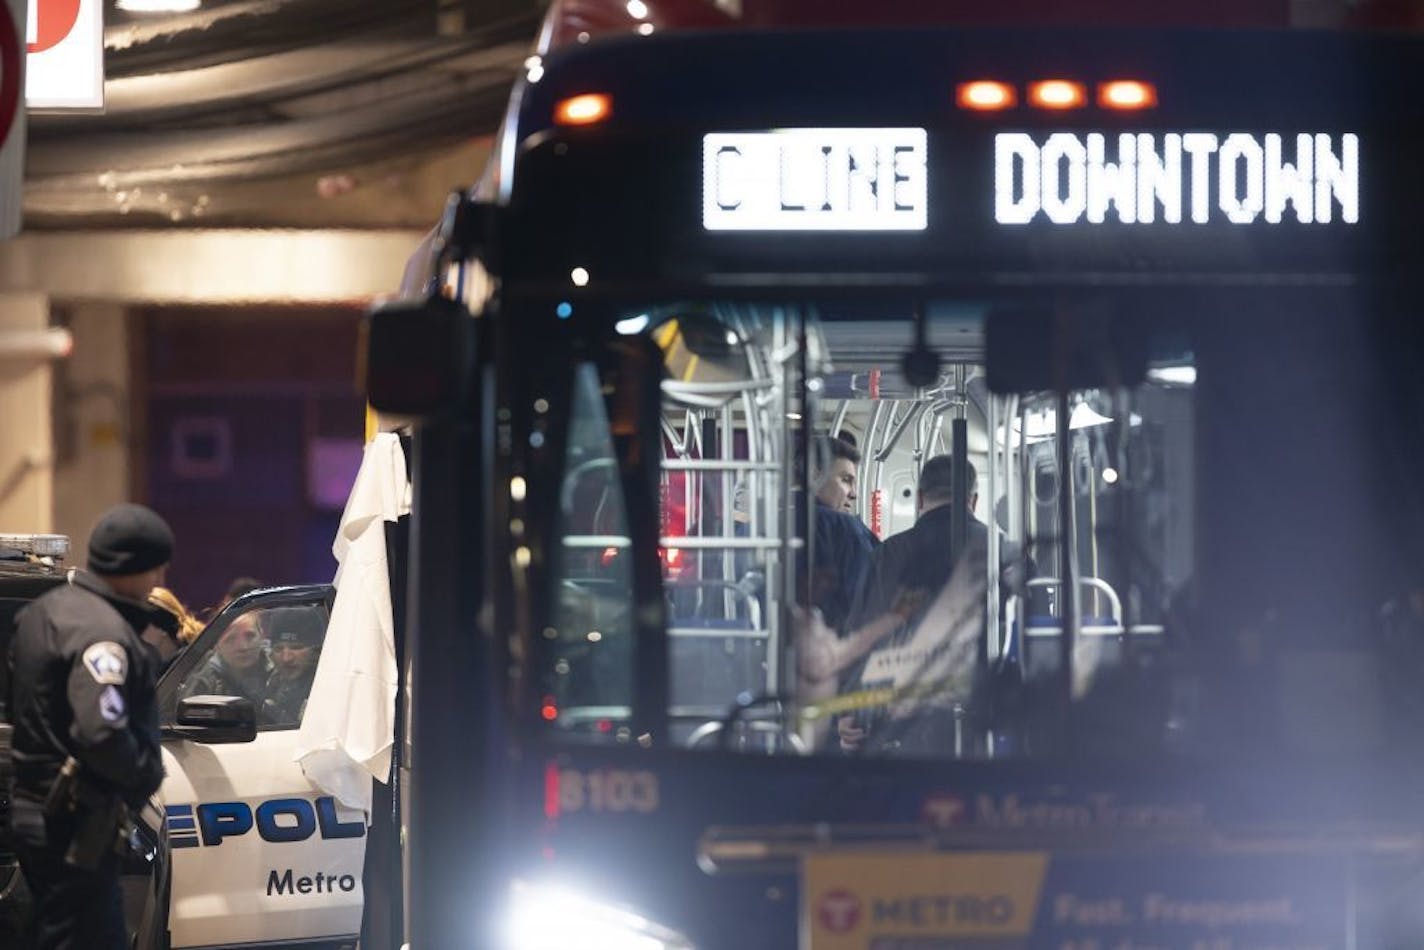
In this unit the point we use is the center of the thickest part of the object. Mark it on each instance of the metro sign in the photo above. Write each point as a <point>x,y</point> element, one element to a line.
<point>65,65</point>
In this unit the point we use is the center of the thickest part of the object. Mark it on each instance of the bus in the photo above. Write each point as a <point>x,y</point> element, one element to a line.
<point>920,487</point>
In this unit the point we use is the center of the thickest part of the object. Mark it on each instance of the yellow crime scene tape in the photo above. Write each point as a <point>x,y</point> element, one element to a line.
<point>870,698</point>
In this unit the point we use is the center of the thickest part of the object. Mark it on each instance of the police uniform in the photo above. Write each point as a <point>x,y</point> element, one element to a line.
<point>82,686</point>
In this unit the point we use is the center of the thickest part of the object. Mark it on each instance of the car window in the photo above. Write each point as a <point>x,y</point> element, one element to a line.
<point>267,655</point>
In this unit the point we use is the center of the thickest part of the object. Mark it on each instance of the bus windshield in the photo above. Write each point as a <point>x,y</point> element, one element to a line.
<point>866,551</point>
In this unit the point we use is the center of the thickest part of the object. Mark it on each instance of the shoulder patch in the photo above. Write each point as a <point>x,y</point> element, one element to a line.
<point>111,704</point>
<point>107,662</point>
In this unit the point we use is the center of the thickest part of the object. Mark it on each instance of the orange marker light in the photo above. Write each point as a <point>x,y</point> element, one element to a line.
<point>1127,94</point>
<point>986,95</point>
<point>1057,94</point>
<point>587,109</point>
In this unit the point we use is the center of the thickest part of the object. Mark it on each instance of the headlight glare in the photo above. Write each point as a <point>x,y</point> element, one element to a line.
<point>544,917</point>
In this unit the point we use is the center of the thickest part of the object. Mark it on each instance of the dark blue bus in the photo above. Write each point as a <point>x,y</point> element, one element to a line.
<point>922,487</point>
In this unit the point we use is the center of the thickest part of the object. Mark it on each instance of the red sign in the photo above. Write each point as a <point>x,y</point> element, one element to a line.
<point>9,70</point>
<point>64,68</point>
<point>12,115</point>
<point>53,21</point>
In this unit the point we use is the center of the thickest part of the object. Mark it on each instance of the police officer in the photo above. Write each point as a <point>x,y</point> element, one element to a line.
<point>86,729</point>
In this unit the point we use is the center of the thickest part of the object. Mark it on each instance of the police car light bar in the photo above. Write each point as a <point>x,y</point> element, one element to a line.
<point>37,545</point>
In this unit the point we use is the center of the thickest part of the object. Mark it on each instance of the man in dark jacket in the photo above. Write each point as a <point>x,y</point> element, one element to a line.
<point>843,544</point>
<point>296,634</point>
<point>921,557</point>
<point>915,565</point>
<point>82,692</point>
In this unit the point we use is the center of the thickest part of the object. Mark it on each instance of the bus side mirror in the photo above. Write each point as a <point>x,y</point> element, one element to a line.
<point>1027,350</point>
<point>417,355</point>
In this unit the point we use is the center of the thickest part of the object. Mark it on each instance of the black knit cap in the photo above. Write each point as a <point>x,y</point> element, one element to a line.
<point>129,539</point>
<point>297,626</point>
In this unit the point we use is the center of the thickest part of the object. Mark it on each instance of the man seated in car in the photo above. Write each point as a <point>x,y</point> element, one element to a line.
<point>296,635</point>
<point>238,665</point>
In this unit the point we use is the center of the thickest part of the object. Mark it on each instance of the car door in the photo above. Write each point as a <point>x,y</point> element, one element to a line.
<point>259,854</point>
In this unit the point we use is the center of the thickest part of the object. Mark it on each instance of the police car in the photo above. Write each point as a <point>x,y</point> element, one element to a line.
<point>239,848</point>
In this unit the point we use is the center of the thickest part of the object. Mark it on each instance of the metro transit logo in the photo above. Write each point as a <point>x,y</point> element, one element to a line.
<point>944,811</point>
<point>839,911</point>
<point>278,820</point>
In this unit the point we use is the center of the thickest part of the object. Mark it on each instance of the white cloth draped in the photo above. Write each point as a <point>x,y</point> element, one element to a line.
<point>347,729</point>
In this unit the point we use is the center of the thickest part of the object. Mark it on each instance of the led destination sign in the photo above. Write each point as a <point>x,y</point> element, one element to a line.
<point>1196,176</point>
<point>814,180</point>
<point>879,179</point>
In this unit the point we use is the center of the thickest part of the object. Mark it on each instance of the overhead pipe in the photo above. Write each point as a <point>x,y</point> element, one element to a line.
<point>51,343</point>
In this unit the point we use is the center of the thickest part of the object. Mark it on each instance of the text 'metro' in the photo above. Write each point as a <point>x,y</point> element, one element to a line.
<point>1192,176</point>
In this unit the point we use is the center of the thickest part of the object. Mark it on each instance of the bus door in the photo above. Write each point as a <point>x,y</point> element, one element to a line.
<point>1098,509</point>
<point>722,544</point>
<point>725,512</point>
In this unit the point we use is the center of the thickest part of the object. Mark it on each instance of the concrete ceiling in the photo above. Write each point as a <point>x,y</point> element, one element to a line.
<point>326,113</point>
<point>282,113</point>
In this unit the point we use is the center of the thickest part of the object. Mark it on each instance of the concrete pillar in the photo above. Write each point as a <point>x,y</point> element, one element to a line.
<point>26,493</point>
<point>91,422</point>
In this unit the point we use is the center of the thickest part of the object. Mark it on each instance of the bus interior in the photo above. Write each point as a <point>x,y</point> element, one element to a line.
<point>751,389</point>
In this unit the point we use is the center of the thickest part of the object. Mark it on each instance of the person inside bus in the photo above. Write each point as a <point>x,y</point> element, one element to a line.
<point>238,665</point>
<point>921,555</point>
<point>836,485</point>
<point>826,647</point>
<point>842,544</point>
<point>823,655</point>
<point>914,566</point>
